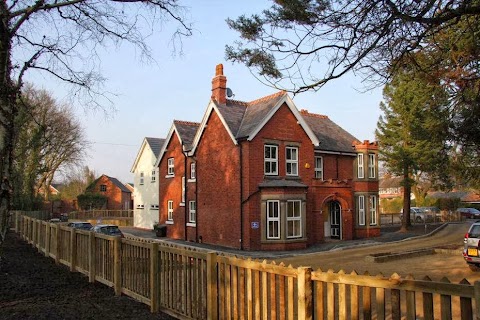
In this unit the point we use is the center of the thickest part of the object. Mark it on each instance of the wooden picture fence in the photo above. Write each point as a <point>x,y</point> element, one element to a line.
<point>195,284</point>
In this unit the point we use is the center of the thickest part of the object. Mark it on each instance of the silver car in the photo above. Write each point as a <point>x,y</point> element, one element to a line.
<point>470,249</point>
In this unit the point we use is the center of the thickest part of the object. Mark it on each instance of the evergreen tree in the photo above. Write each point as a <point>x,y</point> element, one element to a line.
<point>413,129</point>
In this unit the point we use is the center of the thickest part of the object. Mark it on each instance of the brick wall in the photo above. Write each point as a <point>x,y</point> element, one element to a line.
<point>218,186</point>
<point>113,193</point>
<point>170,188</point>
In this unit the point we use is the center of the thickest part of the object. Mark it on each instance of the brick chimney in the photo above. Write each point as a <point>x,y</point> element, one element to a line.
<point>219,85</point>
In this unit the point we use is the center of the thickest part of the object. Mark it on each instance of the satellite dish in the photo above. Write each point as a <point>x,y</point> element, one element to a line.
<point>230,93</point>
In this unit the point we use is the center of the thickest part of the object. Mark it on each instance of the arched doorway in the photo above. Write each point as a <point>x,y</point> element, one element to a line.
<point>335,217</point>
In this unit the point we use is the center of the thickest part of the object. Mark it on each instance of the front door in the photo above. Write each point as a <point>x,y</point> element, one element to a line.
<point>335,220</point>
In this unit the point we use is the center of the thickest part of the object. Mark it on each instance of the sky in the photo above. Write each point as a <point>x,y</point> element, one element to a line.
<point>178,87</point>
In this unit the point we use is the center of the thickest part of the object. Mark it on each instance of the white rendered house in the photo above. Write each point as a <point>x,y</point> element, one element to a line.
<point>145,176</point>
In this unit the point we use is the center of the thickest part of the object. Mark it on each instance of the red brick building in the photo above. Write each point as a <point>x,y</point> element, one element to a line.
<point>262,175</point>
<point>119,197</point>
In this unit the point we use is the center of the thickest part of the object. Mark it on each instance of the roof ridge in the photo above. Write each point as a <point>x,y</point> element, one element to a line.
<point>315,115</point>
<point>265,98</point>
<point>188,123</point>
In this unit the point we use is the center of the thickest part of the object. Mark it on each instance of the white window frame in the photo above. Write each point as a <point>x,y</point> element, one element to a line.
<point>169,211</point>
<point>291,162</point>
<point>371,165</point>
<point>360,168</point>
<point>154,176</point>
<point>361,210</point>
<point>273,220</point>
<point>319,169</point>
<point>170,167</point>
<point>296,219</point>
<point>273,161</point>
<point>192,212</point>
<point>142,178</point>
<point>193,172</point>
<point>373,210</point>
<point>103,188</point>
<point>183,191</point>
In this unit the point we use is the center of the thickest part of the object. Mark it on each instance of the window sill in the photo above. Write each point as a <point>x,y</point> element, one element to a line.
<point>289,240</point>
<point>168,176</point>
<point>169,222</point>
<point>192,180</point>
<point>190,224</point>
<point>182,204</point>
<point>292,177</point>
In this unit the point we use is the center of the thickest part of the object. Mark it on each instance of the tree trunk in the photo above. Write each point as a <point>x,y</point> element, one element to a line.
<point>8,111</point>
<point>407,187</point>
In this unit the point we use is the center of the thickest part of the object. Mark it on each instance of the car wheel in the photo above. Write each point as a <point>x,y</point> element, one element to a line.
<point>418,219</point>
<point>474,267</point>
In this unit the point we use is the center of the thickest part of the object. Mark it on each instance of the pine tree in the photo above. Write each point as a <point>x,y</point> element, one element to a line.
<point>413,130</point>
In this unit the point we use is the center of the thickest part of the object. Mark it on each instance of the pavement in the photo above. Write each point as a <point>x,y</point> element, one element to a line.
<point>388,234</point>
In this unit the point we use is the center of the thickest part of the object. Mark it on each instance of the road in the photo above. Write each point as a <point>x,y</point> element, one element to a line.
<point>436,266</point>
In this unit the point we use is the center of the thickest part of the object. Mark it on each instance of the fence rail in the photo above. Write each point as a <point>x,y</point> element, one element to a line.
<point>396,218</point>
<point>96,214</point>
<point>195,284</point>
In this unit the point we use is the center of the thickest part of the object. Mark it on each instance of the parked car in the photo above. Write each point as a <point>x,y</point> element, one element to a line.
<point>420,215</point>
<point>435,211</point>
<point>470,247</point>
<point>108,229</point>
<point>80,225</point>
<point>469,213</point>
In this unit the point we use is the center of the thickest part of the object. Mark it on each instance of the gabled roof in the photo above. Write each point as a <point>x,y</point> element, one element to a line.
<point>115,181</point>
<point>120,185</point>
<point>331,136</point>
<point>257,112</point>
<point>155,145</point>
<point>185,131</point>
<point>243,120</point>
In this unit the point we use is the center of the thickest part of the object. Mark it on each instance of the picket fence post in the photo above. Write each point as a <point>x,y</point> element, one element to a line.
<point>476,290</point>
<point>91,257</point>
<point>117,266</point>
<point>73,249</point>
<point>212,280</point>
<point>304,287</point>
<point>58,243</point>
<point>154,297</point>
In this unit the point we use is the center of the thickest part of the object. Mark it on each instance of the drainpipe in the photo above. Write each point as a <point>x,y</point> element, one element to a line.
<point>241,197</point>
<point>186,193</point>
<point>196,199</point>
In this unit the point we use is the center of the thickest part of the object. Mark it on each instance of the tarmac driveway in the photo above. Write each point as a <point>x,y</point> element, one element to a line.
<point>436,266</point>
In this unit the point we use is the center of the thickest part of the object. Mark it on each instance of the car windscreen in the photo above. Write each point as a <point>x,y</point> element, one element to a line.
<point>474,231</point>
<point>111,230</point>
